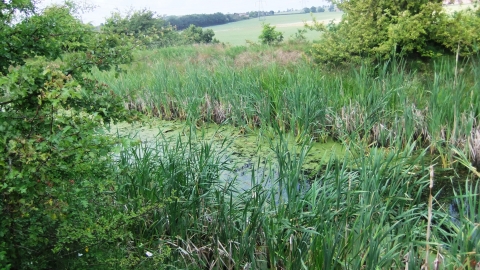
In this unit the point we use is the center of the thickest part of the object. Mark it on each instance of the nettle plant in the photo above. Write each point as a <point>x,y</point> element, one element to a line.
<point>55,166</point>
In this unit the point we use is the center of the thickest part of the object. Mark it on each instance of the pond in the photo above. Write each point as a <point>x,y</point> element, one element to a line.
<point>245,151</point>
<point>251,156</point>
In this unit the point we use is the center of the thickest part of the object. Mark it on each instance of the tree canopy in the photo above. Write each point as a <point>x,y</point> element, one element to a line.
<point>202,20</point>
<point>269,35</point>
<point>371,28</point>
<point>195,34</point>
<point>153,31</point>
<point>51,156</point>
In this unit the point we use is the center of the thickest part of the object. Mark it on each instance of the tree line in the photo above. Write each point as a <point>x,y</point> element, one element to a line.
<point>205,20</point>
<point>155,31</point>
<point>202,20</point>
<point>313,9</point>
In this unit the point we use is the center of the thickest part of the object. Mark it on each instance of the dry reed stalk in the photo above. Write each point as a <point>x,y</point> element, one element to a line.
<point>474,145</point>
<point>219,112</point>
<point>456,66</point>
<point>429,222</point>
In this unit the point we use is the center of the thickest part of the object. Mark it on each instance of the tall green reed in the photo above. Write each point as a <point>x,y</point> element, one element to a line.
<point>205,84</point>
<point>365,210</point>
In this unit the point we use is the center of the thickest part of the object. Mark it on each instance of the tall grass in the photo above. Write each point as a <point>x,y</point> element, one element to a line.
<point>365,210</point>
<point>379,103</point>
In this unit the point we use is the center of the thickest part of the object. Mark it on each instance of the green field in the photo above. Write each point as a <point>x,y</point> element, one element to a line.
<point>238,32</point>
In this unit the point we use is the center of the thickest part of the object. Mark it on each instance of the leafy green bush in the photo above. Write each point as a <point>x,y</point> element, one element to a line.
<point>145,26</point>
<point>269,35</point>
<point>55,165</point>
<point>195,34</point>
<point>372,29</point>
<point>154,32</point>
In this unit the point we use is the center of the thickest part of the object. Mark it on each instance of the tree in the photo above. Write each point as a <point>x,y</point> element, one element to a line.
<point>313,9</point>
<point>202,20</point>
<point>195,34</point>
<point>384,28</point>
<point>54,166</point>
<point>320,9</point>
<point>306,10</point>
<point>135,22</point>
<point>331,8</point>
<point>270,36</point>
<point>145,26</point>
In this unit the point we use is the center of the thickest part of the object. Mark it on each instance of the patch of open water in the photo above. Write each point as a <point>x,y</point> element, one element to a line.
<point>249,155</point>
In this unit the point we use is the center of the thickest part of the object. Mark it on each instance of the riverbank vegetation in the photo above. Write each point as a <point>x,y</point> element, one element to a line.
<point>78,194</point>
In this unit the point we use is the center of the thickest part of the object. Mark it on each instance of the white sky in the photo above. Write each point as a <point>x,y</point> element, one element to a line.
<point>183,7</point>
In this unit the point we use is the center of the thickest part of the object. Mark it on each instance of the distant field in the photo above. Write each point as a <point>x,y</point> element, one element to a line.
<point>238,32</point>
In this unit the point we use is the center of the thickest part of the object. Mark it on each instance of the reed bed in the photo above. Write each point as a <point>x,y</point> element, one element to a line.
<point>379,103</point>
<point>373,208</point>
<point>363,211</point>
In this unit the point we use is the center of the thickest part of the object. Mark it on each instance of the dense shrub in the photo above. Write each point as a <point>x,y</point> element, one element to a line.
<point>270,36</point>
<point>56,173</point>
<point>145,26</point>
<point>153,31</point>
<point>382,29</point>
<point>195,34</point>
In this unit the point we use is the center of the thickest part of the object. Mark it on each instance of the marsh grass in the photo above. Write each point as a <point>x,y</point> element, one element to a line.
<point>238,85</point>
<point>364,210</point>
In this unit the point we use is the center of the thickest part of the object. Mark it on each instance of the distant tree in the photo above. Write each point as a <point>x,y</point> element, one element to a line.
<point>331,8</point>
<point>270,36</point>
<point>306,10</point>
<point>195,34</point>
<point>271,13</point>
<point>320,9</point>
<point>134,23</point>
<point>145,26</point>
<point>313,9</point>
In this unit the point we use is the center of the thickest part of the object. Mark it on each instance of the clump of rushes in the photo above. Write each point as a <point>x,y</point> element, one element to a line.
<point>364,210</point>
<point>378,103</point>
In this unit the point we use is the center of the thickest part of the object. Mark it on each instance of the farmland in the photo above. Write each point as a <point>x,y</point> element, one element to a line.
<point>238,33</point>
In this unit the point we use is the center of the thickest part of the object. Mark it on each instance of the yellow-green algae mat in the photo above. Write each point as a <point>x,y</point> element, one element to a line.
<point>244,149</point>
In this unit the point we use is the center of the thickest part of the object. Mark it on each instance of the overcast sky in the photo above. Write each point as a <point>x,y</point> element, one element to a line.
<point>183,7</point>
